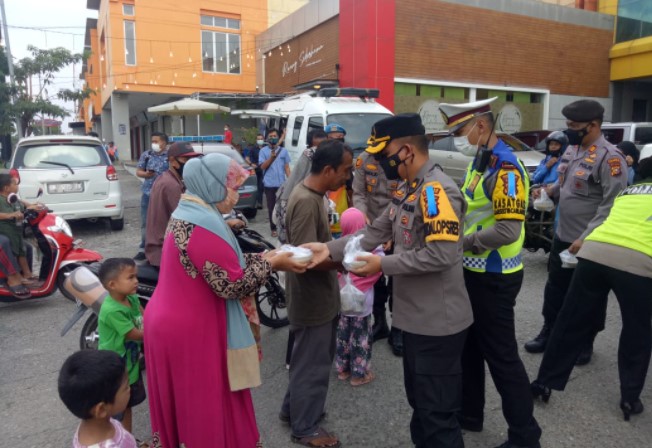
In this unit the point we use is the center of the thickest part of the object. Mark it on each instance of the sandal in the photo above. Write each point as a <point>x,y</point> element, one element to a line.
<point>19,291</point>
<point>321,438</point>
<point>343,376</point>
<point>368,378</point>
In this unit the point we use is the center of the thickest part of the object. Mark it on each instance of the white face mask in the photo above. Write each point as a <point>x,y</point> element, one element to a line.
<point>464,146</point>
<point>156,147</point>
<point>260,142</point>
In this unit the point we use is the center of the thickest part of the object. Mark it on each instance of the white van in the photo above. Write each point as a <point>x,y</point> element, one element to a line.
<point>354,109</point>
<point>638,133</point>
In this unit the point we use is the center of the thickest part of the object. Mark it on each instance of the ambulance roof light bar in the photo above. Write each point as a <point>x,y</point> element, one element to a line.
<point>331,92</point>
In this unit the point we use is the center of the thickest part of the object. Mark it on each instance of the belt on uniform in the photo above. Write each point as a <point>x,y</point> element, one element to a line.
<point>481,263</point>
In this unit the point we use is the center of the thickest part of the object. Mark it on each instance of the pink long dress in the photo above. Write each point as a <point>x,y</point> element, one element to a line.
<point>190,401</point>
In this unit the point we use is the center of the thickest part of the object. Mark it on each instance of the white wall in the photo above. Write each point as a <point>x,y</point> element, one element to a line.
<point>557,103</point>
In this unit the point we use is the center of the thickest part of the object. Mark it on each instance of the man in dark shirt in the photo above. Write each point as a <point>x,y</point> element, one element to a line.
<point>164,197</point>
<point>313,297</point>
<point>251,156</point>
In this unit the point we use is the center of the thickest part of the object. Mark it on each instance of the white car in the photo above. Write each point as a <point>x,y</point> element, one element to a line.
<point>75,174</point>
<point>646,151</point>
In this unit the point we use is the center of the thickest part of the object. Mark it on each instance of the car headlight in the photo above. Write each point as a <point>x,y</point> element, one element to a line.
<point>61,225</point>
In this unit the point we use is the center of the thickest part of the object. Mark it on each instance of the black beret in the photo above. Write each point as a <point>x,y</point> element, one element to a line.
<point>387,129</point>
<point>583,111</point>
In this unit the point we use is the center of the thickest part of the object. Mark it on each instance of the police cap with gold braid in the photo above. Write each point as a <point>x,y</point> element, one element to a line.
<point>387,129</point>
<point>457,115</point>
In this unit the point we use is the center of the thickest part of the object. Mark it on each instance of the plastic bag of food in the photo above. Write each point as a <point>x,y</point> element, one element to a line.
<point>352,251</point>
<point>568,260</point>
<point>351,298</point>
<point>543,203</point>
<point>299,254</point>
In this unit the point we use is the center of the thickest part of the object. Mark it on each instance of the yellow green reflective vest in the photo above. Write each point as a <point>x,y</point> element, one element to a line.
<point>484,206</point>
<point>629,223</point>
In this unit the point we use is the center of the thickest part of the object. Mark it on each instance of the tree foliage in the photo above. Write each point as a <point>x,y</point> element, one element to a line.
<point>41,69</point>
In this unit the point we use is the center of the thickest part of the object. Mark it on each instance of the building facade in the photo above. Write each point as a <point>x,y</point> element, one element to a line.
<point>535,56</point>
<point>149,52</point>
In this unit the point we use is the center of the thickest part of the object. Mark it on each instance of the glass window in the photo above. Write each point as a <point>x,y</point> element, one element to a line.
<point>220,52</point>
<point>128,10</point>
<point>233,24</point>
<point>358,128</point>
<point>75,156</point>
<point>219,21</point>
<point>634,20</point>
<point>206,20</point>
<point>298,122</point>
<point>643,135</point>
<point>313,124</point>
<point>130,42</point>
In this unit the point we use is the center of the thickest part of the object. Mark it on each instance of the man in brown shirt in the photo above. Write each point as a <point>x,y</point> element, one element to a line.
<point>164,198</point>
<point>313,297</point>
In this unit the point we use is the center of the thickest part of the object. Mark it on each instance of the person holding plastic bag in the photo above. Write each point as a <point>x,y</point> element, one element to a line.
<point>354,330</point>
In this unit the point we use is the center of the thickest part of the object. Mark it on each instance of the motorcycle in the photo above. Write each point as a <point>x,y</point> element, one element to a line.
<point>60,254</point>
<point>539,226</point>
<point>85,286</point>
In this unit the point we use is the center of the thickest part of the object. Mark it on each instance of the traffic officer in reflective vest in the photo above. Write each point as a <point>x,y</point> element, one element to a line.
<point>615,256</point>
<point>431,305</point>
<point>372,193</point>
<point>496,190</point>
<point>591,173</point>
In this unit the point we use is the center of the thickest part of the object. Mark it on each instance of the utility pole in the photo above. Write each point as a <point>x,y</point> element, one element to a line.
<point>10,62</point>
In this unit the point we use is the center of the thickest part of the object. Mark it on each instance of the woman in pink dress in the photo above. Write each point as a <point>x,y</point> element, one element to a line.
<point>200,353</point>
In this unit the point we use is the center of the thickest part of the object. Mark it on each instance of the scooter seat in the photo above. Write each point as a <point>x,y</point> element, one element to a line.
<point>147,273</point>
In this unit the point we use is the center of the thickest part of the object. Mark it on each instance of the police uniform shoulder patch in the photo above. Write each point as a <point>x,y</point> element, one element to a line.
<point>358,162</point>
<point>441,222</point>
<point>509,197</point>
<point>371,167</point>
<point>614,166</point>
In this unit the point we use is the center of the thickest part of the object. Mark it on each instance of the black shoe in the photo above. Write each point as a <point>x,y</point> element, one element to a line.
<point>539,390</point>
<point>469,423</point>
<point>509,444</point>
<point>538,344</point>
<point>140,256</point>
<point>380,329</point>
<point>259,206</point>
<point>395,340</point>
<point>631,408</point>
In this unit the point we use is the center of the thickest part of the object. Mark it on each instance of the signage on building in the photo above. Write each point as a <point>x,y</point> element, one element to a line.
<point>306,58</point>
<point>122,129</point>
<point>431,117</point>
<point>510,119</point>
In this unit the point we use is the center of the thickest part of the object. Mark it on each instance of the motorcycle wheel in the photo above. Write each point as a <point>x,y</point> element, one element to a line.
<point>270,303</point>
<point>89,338</point>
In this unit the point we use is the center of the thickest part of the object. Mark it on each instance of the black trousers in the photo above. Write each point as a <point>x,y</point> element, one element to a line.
<point>381,294</point>
<point>433,384</point>
<point>261,187</point>
<point>270,194</point>
<point>557,285</point>
<point>492,339</point>
<point>584,307</point>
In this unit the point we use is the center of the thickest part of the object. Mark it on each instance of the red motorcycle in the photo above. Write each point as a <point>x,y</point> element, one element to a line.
<point>60,254</point>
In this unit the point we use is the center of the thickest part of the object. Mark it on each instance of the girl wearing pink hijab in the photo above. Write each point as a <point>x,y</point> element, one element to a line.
<point>354,335</point>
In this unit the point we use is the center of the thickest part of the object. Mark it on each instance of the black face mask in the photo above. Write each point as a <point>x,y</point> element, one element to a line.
<point>180,169</point>
<point>390,165</point>
<point>575,136</point>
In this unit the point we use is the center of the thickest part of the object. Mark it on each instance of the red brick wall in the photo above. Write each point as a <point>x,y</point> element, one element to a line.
<point>445,41</point>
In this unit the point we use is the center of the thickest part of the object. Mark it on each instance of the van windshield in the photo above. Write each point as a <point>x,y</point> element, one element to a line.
<point>643,135</point>
<point>358,128</point>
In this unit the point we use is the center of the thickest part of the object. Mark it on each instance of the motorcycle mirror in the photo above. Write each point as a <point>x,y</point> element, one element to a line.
<point>40,193</point>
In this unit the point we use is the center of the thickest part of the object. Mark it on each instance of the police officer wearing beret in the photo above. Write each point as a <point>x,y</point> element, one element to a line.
<point>591,174</point>
<point>496,188</point>
<point>425,219</point>
<point>372,193</point>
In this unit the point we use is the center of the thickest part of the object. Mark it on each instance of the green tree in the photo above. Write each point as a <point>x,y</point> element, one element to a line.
<point>39,69</point>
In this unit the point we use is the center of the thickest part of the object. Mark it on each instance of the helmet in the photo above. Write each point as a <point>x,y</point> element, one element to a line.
<point>334,127</point>
<point>559,137</point>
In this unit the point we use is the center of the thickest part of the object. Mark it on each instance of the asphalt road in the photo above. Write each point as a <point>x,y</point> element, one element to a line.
<point>375,415</point>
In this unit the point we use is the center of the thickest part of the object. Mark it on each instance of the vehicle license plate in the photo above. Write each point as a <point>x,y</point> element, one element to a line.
<point>65,187</point>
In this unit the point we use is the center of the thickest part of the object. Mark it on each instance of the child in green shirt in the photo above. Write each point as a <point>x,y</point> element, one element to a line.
<point>120,324</point>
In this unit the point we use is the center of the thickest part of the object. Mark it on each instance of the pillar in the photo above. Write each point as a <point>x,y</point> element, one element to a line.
<point>120,124</point>
<point>367,55</point>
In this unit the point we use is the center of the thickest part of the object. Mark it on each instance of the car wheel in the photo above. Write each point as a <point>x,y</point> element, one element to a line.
<point>250,213</point>
<point>117,224</point>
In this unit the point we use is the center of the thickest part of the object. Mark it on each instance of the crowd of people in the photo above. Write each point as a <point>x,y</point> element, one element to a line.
<point>446,259</point>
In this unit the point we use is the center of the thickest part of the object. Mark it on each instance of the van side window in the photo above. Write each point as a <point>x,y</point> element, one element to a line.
<point>314,123</point>
<point>296,130</point>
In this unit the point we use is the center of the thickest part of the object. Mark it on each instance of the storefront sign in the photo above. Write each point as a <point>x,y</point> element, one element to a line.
<point>510,120</point>
<point>431,117</point>
<point>305,59</point>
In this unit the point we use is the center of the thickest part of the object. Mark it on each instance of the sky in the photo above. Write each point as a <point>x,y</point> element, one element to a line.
<point>59,23</point>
